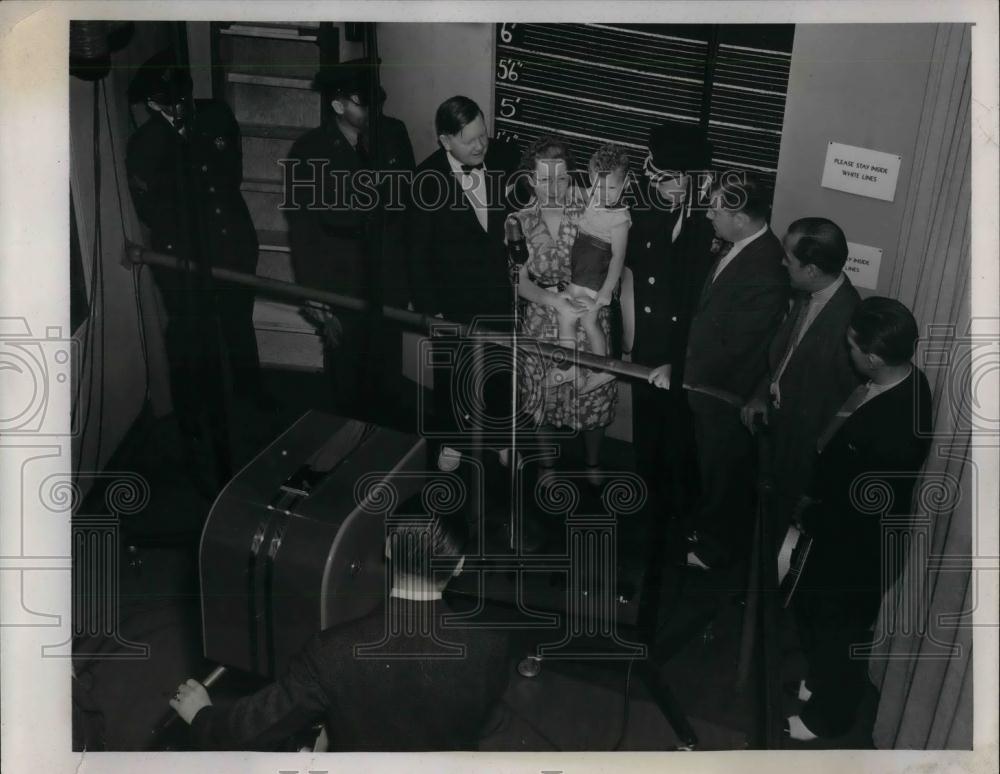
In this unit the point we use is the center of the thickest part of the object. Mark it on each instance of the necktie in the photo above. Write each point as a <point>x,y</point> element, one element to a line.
<point>678,224</point>
<point>475,189</point>
<point>803,303</point>
<point>799,313</point>
<point>710,279</point>
<point>724,250</point>
<point>853,402</point>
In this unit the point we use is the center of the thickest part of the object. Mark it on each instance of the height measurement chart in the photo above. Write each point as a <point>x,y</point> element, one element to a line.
<point>597,83</point>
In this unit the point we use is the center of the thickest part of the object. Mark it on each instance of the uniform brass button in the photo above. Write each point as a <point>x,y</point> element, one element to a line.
<point>218,211</point>
<point>673,319</point>
<point>224,231</point>
<point>211,189</point>
<point>647,310</point>
<point>648,245</point>
<point>204,167</point>
<point>170,247</point>
<point>652,280</point>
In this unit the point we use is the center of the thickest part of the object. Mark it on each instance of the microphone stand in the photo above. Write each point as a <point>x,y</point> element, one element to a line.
<point>371,373</point>
<point>646,673</point>
<point>517,254</point>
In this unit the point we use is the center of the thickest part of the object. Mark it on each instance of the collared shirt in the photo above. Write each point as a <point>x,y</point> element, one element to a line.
<point>173,121</point>
<point>861,395</point>
<point>817,300</point>
<point>877,389</point>
<point>473,186</point>
<point>735,250</point>
<point>685,214</point>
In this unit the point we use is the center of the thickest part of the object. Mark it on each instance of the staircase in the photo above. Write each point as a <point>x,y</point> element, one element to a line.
<point>264,72</point>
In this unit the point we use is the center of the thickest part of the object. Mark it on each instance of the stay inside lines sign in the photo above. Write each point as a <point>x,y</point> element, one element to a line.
<point>861,171</point>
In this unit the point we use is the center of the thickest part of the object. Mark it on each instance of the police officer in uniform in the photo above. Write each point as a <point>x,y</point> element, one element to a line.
<point>333,205</point>
<point>185,166</point>
<point>669,254</point>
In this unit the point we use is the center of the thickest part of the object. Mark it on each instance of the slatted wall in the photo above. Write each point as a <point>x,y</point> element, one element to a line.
<point>595,83</point>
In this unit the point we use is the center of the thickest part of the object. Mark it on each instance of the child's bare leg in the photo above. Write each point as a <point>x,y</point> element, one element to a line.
<point>567,329</point>
<point>598,344</point>
<point>565,370</point>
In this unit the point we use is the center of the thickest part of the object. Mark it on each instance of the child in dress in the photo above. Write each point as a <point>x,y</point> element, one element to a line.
<point>596,260</point>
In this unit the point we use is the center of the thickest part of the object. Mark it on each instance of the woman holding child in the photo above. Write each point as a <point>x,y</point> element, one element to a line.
<point>576,240</point>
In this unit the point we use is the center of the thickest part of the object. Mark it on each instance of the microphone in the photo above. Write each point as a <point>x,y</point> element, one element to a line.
<point>517,246</point>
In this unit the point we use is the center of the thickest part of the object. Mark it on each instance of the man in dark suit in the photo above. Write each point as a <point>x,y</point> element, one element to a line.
<point>399,679</point>
<point>875,444</point>
<point>332,200</point>
<point>740,306</point>
<point>458,265</point>
<point>668,256</point>
<point>809,371</point>
<point>185,167</point>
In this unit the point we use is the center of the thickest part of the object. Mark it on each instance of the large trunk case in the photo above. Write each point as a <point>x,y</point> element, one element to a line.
<point>291,546</point>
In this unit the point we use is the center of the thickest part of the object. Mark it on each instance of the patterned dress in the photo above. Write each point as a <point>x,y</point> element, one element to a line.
<point>548,265</point>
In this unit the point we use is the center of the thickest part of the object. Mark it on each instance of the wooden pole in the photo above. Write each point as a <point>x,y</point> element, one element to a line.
<point>136,254</point>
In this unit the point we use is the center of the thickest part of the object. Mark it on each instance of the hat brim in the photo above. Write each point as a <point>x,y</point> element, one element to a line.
<point>158,77</point>
<point>681,160</point>
<point>362,95</point>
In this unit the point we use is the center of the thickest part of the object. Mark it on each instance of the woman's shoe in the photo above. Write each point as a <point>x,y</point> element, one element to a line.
<point>795,730</point>
<point>448,459</point>
<point>504,455</point>
<point>694,562</point>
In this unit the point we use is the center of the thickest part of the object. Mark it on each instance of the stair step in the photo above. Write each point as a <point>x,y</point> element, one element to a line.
<point>290,351</point>
<point>268,31</point>
<point>261,156</point>
<point>262,186</point>
<point>281,57</point>
<point>264,209</point>
<point>284,338</point>
<point>271,132</point>
<point>275,265</point>
<point>273,241</point>
<point>275,81</point>
<point>256,104</point>
<point>285,316</point>
<point>297,25</point>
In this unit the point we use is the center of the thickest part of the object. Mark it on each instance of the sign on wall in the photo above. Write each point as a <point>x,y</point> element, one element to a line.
<point>861,171</point>
<point>863,262</point>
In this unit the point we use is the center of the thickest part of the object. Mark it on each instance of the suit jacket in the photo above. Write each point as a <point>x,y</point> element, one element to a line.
<point>735,317</point>
<point>328,243</point>
<point>456,268</point>
<point>815,383</point>
<point>406,696</point>
<point>873,459</point>
<point>667,277</point>
<point>213,153</point>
